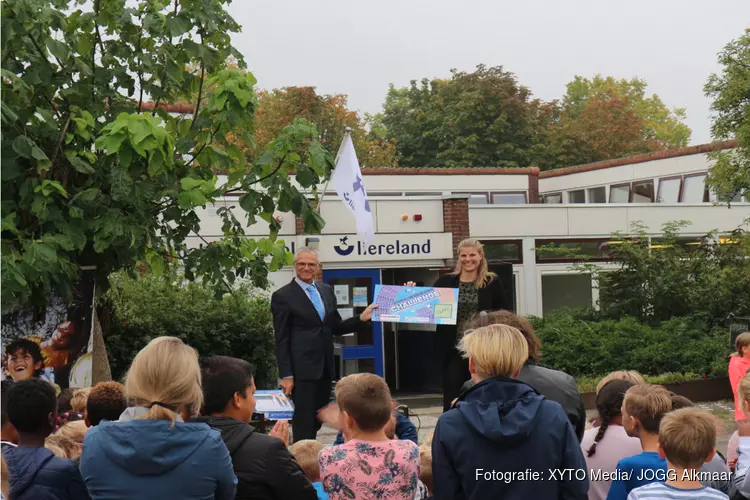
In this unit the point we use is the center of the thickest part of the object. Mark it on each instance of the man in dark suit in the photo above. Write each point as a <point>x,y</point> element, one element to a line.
<point>305,319</point>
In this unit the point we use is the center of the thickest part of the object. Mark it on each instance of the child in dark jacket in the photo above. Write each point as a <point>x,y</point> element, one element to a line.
<point>501,439</point>
<point>36,474</point>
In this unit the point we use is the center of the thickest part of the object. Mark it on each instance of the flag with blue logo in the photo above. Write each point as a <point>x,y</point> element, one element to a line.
<point>347,180</point>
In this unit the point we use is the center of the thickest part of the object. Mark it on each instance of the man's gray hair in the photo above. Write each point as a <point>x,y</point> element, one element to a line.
<point>307,250</point>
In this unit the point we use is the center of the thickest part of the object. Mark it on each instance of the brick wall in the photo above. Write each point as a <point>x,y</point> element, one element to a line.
<point>456,219</point>
<point>534,185</point>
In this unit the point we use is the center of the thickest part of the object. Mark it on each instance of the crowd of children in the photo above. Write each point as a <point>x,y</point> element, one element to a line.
<point>180,429</point>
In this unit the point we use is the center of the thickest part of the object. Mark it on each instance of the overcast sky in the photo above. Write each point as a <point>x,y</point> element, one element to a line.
<point>358,47</point>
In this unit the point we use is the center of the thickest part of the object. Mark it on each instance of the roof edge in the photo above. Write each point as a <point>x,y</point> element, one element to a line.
<point>642,158</point>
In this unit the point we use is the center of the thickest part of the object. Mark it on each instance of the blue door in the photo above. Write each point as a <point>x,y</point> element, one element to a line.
<point>362,351</point>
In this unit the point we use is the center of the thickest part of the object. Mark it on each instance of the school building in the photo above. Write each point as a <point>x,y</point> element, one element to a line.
<point>421,214</point>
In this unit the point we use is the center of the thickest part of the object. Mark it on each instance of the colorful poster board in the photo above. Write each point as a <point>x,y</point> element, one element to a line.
<point>274,405</point>
<point>424,305</point>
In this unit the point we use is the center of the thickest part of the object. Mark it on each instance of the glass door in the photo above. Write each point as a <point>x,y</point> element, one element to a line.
<point>361,351</point>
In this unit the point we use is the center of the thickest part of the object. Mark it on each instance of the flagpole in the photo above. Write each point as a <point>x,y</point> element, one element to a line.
<point>325,188</point>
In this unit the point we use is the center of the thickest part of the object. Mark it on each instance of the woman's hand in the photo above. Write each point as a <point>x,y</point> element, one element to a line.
<point>330,415</point>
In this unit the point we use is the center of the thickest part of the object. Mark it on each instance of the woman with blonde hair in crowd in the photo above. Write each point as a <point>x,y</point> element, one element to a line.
<point>739,364</point>
<point>151,452</point>
<point>479,290</point>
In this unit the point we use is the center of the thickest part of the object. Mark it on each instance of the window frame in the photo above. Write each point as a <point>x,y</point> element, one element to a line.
<point>538,242</point>
<point>613,186</point>
<point>644,181</point>
<point>525,197</point>
<point>556,193</point>
<point>475,193</point>
<point>670,178</point>
<point>706,196</point>
<point>517,243</point>
<point>588,197</point>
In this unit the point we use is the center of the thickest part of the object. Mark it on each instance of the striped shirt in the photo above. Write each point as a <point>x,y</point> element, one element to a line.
<point>662,491</point>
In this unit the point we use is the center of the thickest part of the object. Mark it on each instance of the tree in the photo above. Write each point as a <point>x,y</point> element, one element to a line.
<point>479,119</point>
<point>730,175</point>
<point>279,107</point>
<point>91,177</point>
<point>605,118</point>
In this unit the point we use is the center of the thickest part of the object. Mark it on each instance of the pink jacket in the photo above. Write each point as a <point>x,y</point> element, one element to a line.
<point>738,367</point>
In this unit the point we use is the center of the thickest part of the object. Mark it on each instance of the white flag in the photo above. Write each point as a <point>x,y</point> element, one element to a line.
<point>347,180</point>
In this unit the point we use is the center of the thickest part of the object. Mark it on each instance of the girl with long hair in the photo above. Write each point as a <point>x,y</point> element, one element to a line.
<point>151,452</point>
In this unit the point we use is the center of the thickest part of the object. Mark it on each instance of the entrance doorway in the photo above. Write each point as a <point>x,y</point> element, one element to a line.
<point>361,351</point>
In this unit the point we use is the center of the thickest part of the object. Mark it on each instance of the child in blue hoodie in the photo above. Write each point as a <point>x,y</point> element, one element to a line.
<point>305,452</point>
<point>35,473</point>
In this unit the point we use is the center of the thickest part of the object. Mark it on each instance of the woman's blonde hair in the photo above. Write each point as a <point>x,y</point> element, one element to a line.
<point>742,341</point>
<point>164,376</point>
<point>497,350</point>
<point>62,446</point>
<point>743,389</point>
<point>484,276</point>
<point>629,375</point>
<point>73,430</point>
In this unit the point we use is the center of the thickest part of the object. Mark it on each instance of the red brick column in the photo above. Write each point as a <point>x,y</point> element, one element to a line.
<point>534,186</point>
<point>456,219</point>
<point>299,226</point>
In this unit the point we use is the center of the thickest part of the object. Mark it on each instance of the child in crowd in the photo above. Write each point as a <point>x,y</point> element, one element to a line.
<point>687,439</point>
<point>62,446</point>
<point>306,453</point>
<point>739,364</point>
<point>34,471</point>
<point>741,480</point>
<point>78,401</point>
<point>368,464</point>
<point>604,446</point>
<point>425,461</point>
<point>8,433</point>
<point>642,410</point>
<point>631,376</point>
<point>106,401</point>
<point>263,465</point>
<point>24,359</point>
<point>504,425</point>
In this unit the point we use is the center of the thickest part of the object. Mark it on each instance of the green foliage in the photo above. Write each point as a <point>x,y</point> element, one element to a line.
<point>91,177</point>
<point>730,175</point>
<point>588,383</point>
<point>237,324</point>
<point>576,344</point>
<point>659,278</point>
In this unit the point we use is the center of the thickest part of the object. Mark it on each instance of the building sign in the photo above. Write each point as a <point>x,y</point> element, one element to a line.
<point>385,247</point>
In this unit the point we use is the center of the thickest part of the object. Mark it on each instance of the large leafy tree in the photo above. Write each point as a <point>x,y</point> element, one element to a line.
<point>604,118</point>
<point>279,107</point>
<point>479,119</point>
<point>94,176</point>
<point>730,175</point>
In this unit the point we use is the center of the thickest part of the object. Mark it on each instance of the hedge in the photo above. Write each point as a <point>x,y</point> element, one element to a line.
<point>579,343</point>
<point>237,324</point>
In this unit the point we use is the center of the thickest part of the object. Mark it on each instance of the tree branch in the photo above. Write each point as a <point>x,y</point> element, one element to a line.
<point>60,141</point>
<point>229,288</point>
<point>273,172</point>
<point>140,67</point>
<point>200,93</point>
<point>209,141</point>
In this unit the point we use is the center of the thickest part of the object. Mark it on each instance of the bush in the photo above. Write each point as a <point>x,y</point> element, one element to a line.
<point>237,324</point>
<point>576,343</point>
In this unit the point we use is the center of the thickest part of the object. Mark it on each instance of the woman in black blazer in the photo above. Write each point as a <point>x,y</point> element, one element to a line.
<point>479,290</point>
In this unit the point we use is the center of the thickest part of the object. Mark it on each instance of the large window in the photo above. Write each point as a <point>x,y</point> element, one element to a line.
<point>552,198</point>
<point>643,192</point>
<point>477,198</point>
<point>694,189</point>
<point>577,196</point>
<point>565,290</point>
<point>549,251</point>
<point>619,193</point>
<point>669,190</point>
<point>598,195</point>
<point>505,250</point>
<point>509,198</point>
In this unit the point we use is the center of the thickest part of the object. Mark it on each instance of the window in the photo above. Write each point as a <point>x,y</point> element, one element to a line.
<point>508,198</point>
<point>422,194</point>
<point>694,189</point>
<point>598,195</point>
<point>507,250</point>
<point>669,190</point>
<point>570,250</point>
<point>552,198</point>
<point>565,290</point>
<point>578,196</point>
<point>643,192</point>
<point>619,193</point>
<point>477,198</point>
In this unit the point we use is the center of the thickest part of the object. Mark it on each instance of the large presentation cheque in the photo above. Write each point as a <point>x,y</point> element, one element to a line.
<point>412,304</point>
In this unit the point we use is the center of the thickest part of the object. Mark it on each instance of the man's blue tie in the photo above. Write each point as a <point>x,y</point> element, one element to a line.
<point>316,301</point>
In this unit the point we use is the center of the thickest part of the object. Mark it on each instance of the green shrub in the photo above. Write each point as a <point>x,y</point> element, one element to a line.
<point>238,324</point>
<point>574,342</point>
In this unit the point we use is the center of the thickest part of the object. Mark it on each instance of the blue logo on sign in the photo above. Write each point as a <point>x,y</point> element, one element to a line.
<point>344,248</point>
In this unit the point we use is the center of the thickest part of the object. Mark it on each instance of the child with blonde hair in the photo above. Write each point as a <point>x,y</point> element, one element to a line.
<point>687,439</point>
<point>740,487</point>
<point>306,453</point>
<point>368,464</point>
<point>643,408</point>
<point>739,364</point>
